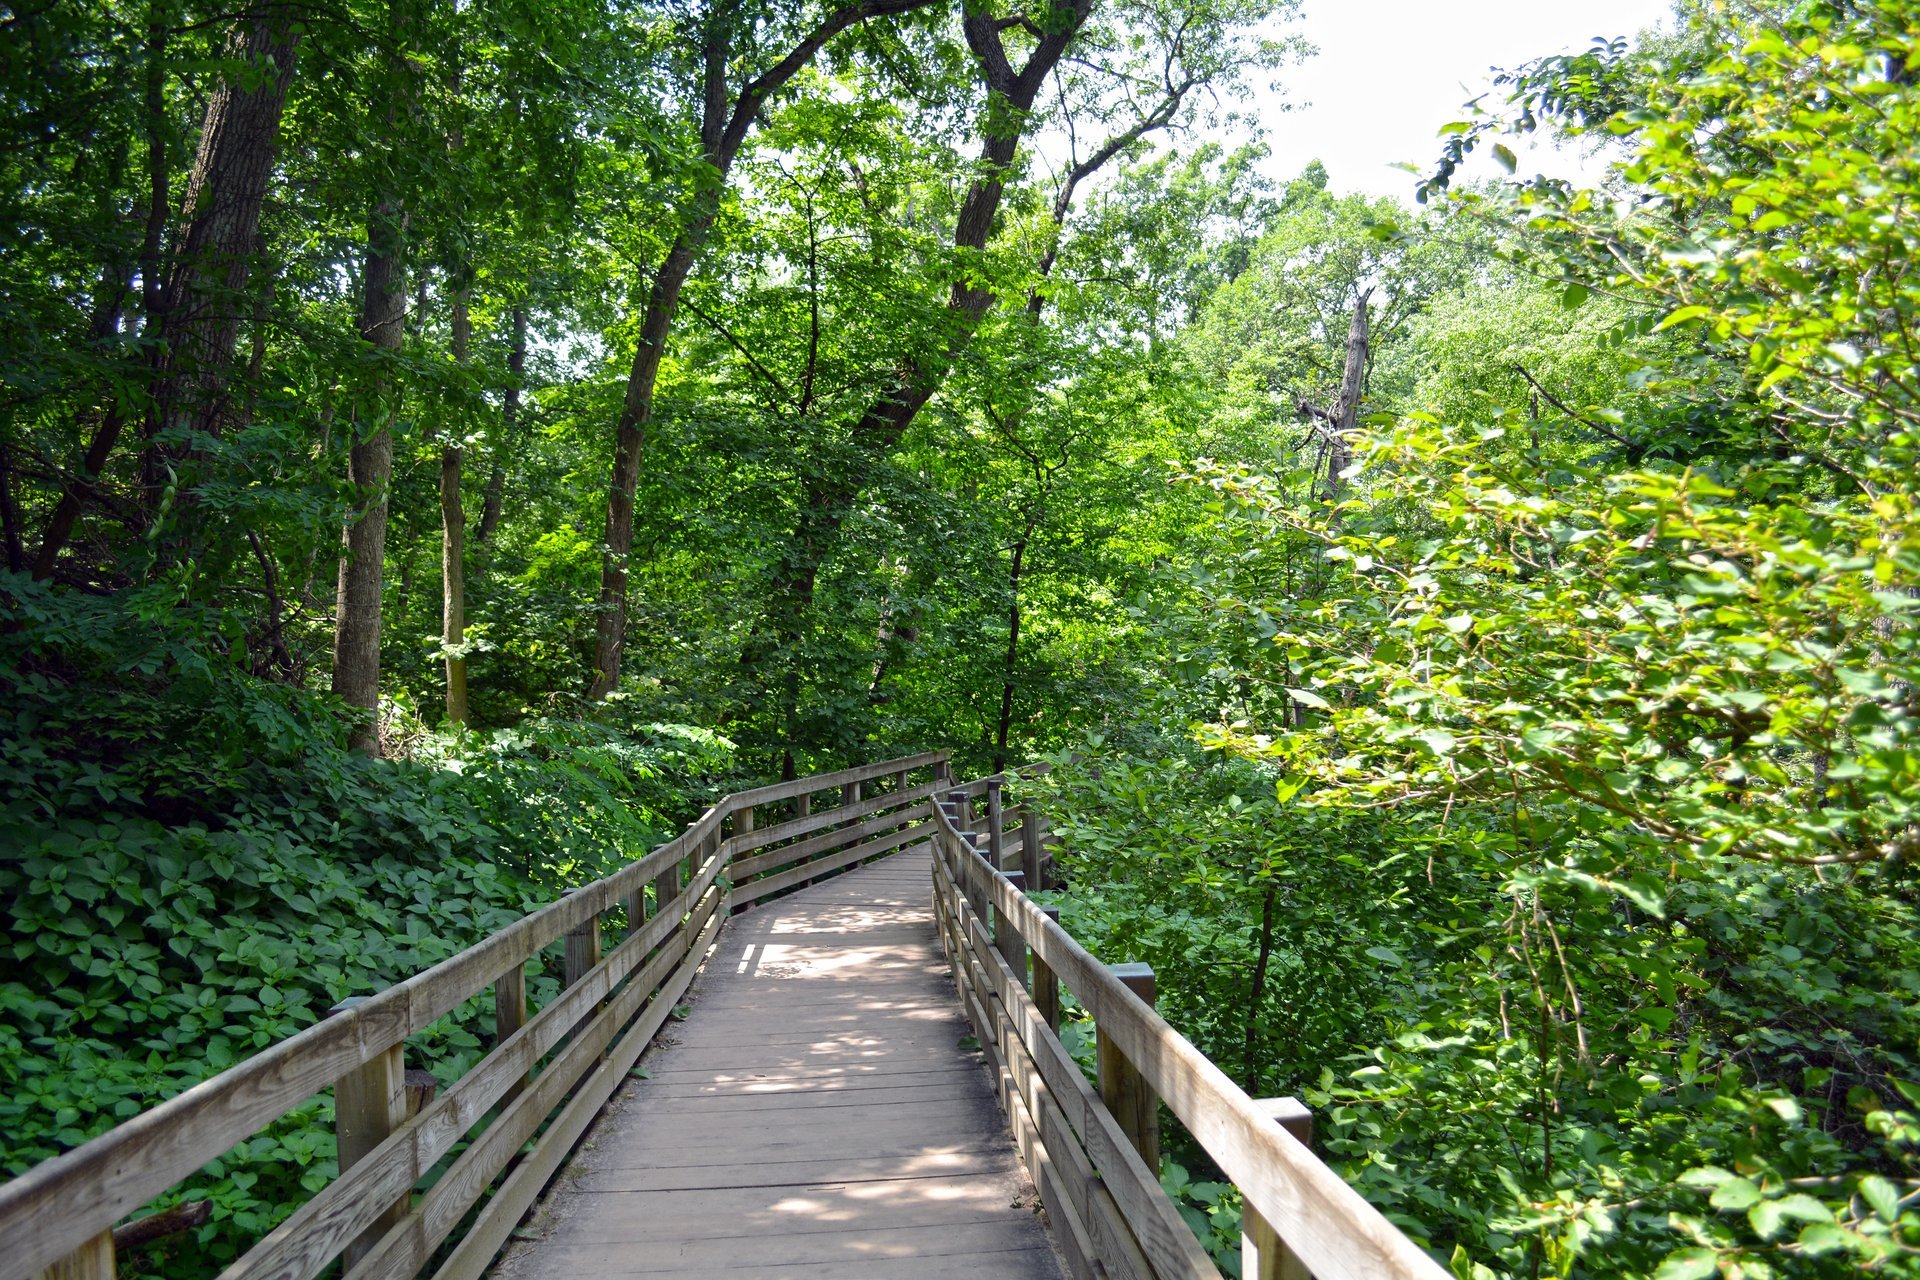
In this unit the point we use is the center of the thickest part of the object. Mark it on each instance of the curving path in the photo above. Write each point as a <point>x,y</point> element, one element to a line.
<point>816,1115</point>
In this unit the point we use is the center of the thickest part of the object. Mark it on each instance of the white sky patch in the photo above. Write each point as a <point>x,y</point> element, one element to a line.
<point>1390,73</point>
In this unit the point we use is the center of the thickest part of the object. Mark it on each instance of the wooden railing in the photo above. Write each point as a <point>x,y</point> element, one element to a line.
<point>1094,1155</point>
<point>543,1082</point>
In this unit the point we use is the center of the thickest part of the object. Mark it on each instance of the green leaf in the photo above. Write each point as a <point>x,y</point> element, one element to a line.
<point>1735,1193</point>
<point>1308,698</point>
<point>1505,156</point>
<point>1682,316</point>
<point>1882,1195</point>
<point>1688,1264</point>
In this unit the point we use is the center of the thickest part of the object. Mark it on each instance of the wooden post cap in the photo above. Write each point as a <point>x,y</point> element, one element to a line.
<point>1137,977</point>
<point>346,1004</point>
<point>1018,879</point>
<point>1051,913</point>
<point>1290,1114</point>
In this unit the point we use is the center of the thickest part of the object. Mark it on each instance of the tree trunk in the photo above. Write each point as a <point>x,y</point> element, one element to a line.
<point>453,532</point>
<point>630,435</point>
<point>830,498</point>
<point>509,422</point>
<point>1013,653</point>
<point>206,295</point>
<point>1346,414</point>
<point>356,636</point>
<point>1249,1064</point>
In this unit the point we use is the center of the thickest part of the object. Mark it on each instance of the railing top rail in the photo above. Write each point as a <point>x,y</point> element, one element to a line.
<point>99,1182</point>
<point>822,781</point>
<point>1329,1225</point>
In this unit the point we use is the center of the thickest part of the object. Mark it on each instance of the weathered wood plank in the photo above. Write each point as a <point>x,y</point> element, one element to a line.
<point>760,1151</point>
<point>403,1250</point>
<point>313,1234</point>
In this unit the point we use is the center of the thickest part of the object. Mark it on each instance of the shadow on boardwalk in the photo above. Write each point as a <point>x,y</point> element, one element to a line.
<point>815,1116</point>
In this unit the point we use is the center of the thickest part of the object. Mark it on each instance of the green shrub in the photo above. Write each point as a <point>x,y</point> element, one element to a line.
<point>194,868</point>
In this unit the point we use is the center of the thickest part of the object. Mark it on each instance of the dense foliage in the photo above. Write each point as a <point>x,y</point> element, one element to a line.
<point>1476,639</point>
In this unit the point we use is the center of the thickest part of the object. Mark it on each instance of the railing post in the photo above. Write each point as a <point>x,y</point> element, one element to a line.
<point>1006,939</point>
<point>369,1103</point>
<point>1030,848</point>
<point>961,810</point>
<point>91,1261</point>
<point>803,805</point>
<point>1263,1254</point>
<point>996,828</point>
<point>1122,1087</point>
<point>666,885</point>
<point>509,1015</point>
<point>1046,984</point>
<point>583,948</point>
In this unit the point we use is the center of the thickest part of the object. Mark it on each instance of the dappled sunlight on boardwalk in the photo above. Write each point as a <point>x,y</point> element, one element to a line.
<point>815,1116</point>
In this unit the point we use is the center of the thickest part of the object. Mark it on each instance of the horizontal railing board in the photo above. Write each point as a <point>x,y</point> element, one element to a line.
<point>406,1247</point>
<point>757,889</point>
<point>1050,1167</point>
<point>827,781</point>
<point>742,868</point>
<point>1327,1224</point>
<point>308,1240</point>
<point>759,837</point>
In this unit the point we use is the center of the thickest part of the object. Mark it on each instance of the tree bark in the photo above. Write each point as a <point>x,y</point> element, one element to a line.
<point>724,123</point>
<point>206,296</point>
<point>383,310</point>
<point>1005,729</point>
<point>1249,1060</point>
<point>356,636</point>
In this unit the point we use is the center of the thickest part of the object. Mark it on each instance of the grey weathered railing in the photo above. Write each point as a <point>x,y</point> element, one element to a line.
<point>1095,1155</point>
<point>545,1079</point>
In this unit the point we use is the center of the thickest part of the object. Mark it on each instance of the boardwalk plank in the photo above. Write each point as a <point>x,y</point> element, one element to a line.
<point>815,1116</point>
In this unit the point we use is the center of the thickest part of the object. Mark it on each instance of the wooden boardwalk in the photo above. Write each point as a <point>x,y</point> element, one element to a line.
<point>817,1115</point>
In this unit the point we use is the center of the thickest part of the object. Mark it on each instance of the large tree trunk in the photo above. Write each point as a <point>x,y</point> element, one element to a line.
<point>629,437</point>
<point>724,122</point>
<point>206,296</point>
<point>356,635</point>
<point>196,313</point>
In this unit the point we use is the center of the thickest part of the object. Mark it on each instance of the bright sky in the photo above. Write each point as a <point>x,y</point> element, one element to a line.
<point>1390,72</point>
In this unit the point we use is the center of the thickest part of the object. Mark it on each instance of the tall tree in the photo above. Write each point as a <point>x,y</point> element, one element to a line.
<point>197,311</point>
<point>383,309</point>
<point>726,116</point>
